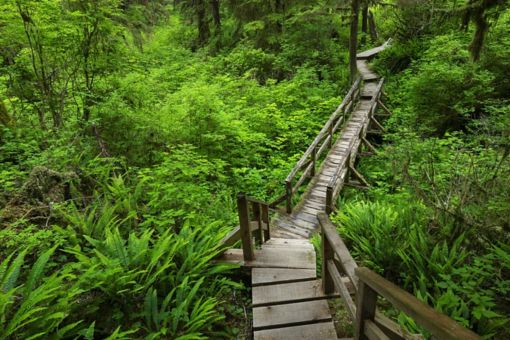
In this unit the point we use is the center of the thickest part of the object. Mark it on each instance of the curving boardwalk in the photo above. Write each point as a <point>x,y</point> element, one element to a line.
<point>303,221</point>
<point>288,299</point>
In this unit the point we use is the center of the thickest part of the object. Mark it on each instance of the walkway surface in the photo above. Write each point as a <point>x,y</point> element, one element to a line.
<point>288,300</point>
<point>302,223</point>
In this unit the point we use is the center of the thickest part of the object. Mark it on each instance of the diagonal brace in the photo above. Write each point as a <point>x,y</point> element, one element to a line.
<point>358,176</point>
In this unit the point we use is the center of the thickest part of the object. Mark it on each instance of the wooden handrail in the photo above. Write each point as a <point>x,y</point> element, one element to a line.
<point>370,323</point>
<point>315,150</point>
<point>371,285</point>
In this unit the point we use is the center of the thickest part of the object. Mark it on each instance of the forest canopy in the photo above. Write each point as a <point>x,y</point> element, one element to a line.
<point>127,128</point>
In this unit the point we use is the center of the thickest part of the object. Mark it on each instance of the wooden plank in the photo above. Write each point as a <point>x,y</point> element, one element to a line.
<point>365,309</point>
<point>299,223</point>
<point>373,332</point>
<point>286,234</point>
<point>436,323</point>
<point>265,276</point>
<point>317,331</point>
<point>304,233</point>
<point>287,242</point>
<point>272,258</point>
<point>342,288</point>
<point>347,262</point>
<point>292,314</point>
<point>288,293</point>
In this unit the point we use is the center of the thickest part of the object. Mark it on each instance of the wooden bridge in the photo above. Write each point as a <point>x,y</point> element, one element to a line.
<point>288,300</point>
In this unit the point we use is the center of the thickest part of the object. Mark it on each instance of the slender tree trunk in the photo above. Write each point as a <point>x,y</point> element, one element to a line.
<point>371,25</point>
<point>203,27</point>
<point>215,6</point>
<point>353,40</point>
<point>364,21</point>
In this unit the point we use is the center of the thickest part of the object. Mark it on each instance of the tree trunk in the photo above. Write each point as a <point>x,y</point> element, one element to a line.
<point>203,27</point>
<point>215,6</point>
<point>364,21</point>
<point>478,38</point>
<point>371,24</point>
<point>353,40</point>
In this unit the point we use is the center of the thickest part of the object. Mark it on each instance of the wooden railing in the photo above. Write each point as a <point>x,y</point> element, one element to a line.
<point>307,164</point>
<point>346,167</point>
<point>254,224</point>
<point>369,322</point>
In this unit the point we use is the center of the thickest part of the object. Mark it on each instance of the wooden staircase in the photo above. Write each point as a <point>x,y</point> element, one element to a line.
<point>288,300</point>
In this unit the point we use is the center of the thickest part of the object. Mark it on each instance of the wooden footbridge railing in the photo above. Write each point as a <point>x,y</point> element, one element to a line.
<point>289,301</point>
<point>337,262</point>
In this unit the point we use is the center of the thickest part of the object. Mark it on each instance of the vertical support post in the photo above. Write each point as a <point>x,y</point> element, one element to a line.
<point>330,135</point>
<point>365,309</point>
<point>329,200</point>
<point>244,223</point>
<point>257,214</point>
<point>314,161</point>
<point>265,218</point>
<point>327,254</point>
<point>288,191</point>
<point>348,168</point>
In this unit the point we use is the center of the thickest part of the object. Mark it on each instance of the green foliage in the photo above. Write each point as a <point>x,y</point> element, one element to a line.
<point>38,308</point>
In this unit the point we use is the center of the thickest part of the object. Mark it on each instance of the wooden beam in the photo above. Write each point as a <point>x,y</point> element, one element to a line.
<point>365,309</point>
<point>245,230</point>
<point>368,145</point>
<point>346,261</point>
<point>377,124</point>
<point>342,289</point>
<point>358,176</point>
<point>388,112</point>
<point>372,331</point>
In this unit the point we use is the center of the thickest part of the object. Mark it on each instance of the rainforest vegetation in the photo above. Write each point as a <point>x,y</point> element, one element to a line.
<point>127,127</point>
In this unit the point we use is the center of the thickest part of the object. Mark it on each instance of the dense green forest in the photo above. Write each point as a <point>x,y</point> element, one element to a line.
<point>127,127</point>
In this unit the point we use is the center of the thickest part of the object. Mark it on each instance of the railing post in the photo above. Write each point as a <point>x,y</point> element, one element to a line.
<point>244,223</point>
<point>257,214</point>
<point>265,218</point>
<point>288,191</point>
<point>314,160</point>
<point>366,300</point>
<point>329,200</point>
<point>328,254</point>
<point>330,135</point>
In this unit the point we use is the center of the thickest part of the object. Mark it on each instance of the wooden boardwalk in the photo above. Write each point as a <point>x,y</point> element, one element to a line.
<point>302,223</point>
<point>288,299</point>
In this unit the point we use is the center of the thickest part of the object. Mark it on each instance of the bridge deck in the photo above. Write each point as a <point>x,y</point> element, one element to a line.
<point>303,221</point>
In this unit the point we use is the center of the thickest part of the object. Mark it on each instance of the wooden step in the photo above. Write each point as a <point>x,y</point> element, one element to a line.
<point>292,314</point>
<point>271,276</point>
<point>317,331</point>
<point>273,258</point>
<point>288,293</point>
<point>287,242</point>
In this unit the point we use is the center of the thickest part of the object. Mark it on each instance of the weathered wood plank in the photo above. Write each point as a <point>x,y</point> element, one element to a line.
<point>273,258</point>
<point>287,242</point>
<point>317,331</point>
<point>292,314</point>
<point>288,293</point>
<point>265,276</point>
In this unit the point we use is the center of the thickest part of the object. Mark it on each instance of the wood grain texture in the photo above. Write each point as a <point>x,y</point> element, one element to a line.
<point>317,331</point>
<point>292,314</point>
<point>266,276</point>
